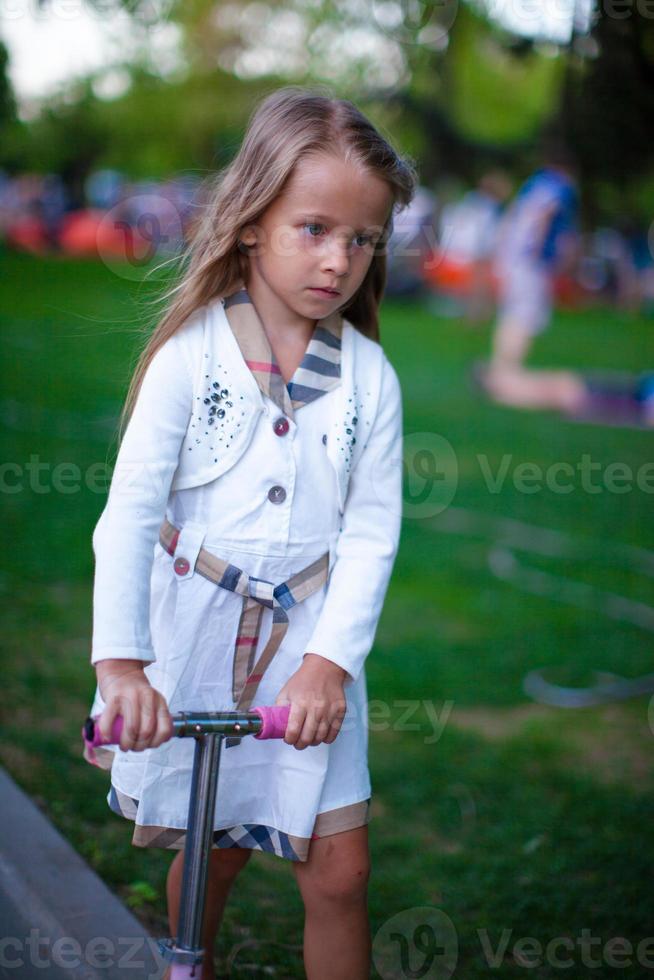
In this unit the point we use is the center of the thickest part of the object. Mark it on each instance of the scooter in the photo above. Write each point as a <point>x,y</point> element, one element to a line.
<point>208,728</point>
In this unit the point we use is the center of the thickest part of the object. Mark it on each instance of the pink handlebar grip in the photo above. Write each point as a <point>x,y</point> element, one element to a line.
<point>275,720</point>
<point>114,737</point>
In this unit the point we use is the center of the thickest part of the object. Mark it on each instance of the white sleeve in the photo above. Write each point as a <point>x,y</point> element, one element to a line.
<point>126,533</point>
<point>368,540</point>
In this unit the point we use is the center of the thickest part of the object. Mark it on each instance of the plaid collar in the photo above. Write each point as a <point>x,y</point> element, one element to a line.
<point>319,372</point>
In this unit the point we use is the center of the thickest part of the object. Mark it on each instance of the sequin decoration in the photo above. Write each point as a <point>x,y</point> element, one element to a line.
<point>218,421</point>
<point>350,422</point>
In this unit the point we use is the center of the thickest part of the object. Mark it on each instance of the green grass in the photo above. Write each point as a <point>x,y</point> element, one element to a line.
<point>516,816</point>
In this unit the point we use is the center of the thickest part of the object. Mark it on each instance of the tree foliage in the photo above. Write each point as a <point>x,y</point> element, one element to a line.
<point>467,95</point>
<point>608,104</point>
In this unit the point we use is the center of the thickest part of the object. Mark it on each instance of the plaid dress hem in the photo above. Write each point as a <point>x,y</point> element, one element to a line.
<point>258,837</point>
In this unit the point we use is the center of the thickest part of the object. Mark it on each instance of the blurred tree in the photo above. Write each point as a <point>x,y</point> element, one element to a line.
<point>498,88</point>
<point>11,131</point>
<point>608,101</point>
<point>154,129</point>
<point>161,127</point>
<point>7,101</point>
<point>66,138</point>
<point>455,89</point>
<point>480,101</point>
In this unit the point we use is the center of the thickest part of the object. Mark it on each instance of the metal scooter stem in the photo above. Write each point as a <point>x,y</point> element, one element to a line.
<point>188,949</point>
<point>199,840</point>
<point>185,951</point>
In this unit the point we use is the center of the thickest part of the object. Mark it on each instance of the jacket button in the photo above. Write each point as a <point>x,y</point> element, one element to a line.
<point>277,495</point>
<point>181,566</point>
<point>280,426</point>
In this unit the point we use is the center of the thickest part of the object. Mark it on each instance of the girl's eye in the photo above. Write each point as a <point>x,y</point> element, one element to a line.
<point>361,240</point>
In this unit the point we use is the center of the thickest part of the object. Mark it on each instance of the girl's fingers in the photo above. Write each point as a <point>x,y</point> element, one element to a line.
<point>310,731</point>
<point>294,726</point>
<point>106,720</point>
<point>329,729</point>
<point>311,727</point>
<point>129,709</point>
<point>147,721</point>
<point>321,733</point>
<point>334,729</point>
<point>139,719</point>
<point>164,726</point>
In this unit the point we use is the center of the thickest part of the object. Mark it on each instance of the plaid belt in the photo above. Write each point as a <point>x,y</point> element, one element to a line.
<point>257,593</point>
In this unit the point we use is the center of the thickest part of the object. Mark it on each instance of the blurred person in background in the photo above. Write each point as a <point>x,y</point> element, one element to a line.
<point>103,188</point>
<point>6,196</point>
<point>410,243</point>
<point>538,239</point>
<point>612,246</point>
<point>468,239</point>
<point>641,248</point>
<point>53,202</point>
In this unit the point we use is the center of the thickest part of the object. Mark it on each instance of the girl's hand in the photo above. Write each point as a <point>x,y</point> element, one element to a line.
<point>318,705</point>
<point>127,691</point>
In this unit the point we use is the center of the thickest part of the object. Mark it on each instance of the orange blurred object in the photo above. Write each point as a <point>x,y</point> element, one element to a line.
<point>27,234</point>
<point>87,232</point>
<point>449,276</point>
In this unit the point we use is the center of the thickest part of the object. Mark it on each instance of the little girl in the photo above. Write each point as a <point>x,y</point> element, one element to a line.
<point>254,516</point>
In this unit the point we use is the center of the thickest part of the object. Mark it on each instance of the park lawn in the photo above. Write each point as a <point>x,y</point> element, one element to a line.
<point>513,819</point>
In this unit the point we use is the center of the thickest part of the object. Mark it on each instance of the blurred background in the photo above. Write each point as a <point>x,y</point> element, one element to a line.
<point>511,728</point>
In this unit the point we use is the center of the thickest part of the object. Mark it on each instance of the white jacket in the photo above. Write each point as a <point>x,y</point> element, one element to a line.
<point>161,453</point>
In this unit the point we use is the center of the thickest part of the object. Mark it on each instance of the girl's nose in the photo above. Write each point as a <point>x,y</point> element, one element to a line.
<point>337,258</point>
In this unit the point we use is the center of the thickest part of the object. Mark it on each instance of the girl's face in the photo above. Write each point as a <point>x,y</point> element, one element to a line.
<point>319,234</point>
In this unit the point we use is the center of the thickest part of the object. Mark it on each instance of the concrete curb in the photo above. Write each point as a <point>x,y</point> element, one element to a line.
<point>57,917</point>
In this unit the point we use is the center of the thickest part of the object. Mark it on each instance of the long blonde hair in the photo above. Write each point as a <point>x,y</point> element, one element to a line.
<point>286,125</point>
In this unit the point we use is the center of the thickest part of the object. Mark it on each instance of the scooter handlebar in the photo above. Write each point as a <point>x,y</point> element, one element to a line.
<point>274,719</point>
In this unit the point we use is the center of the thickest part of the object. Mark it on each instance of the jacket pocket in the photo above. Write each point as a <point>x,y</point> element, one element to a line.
<point>171,602</point>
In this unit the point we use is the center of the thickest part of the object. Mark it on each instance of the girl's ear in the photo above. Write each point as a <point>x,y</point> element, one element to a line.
<point>248,235</point>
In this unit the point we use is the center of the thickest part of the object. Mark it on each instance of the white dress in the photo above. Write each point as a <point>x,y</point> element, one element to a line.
<point>271,513</point>
<point>272,785</point>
